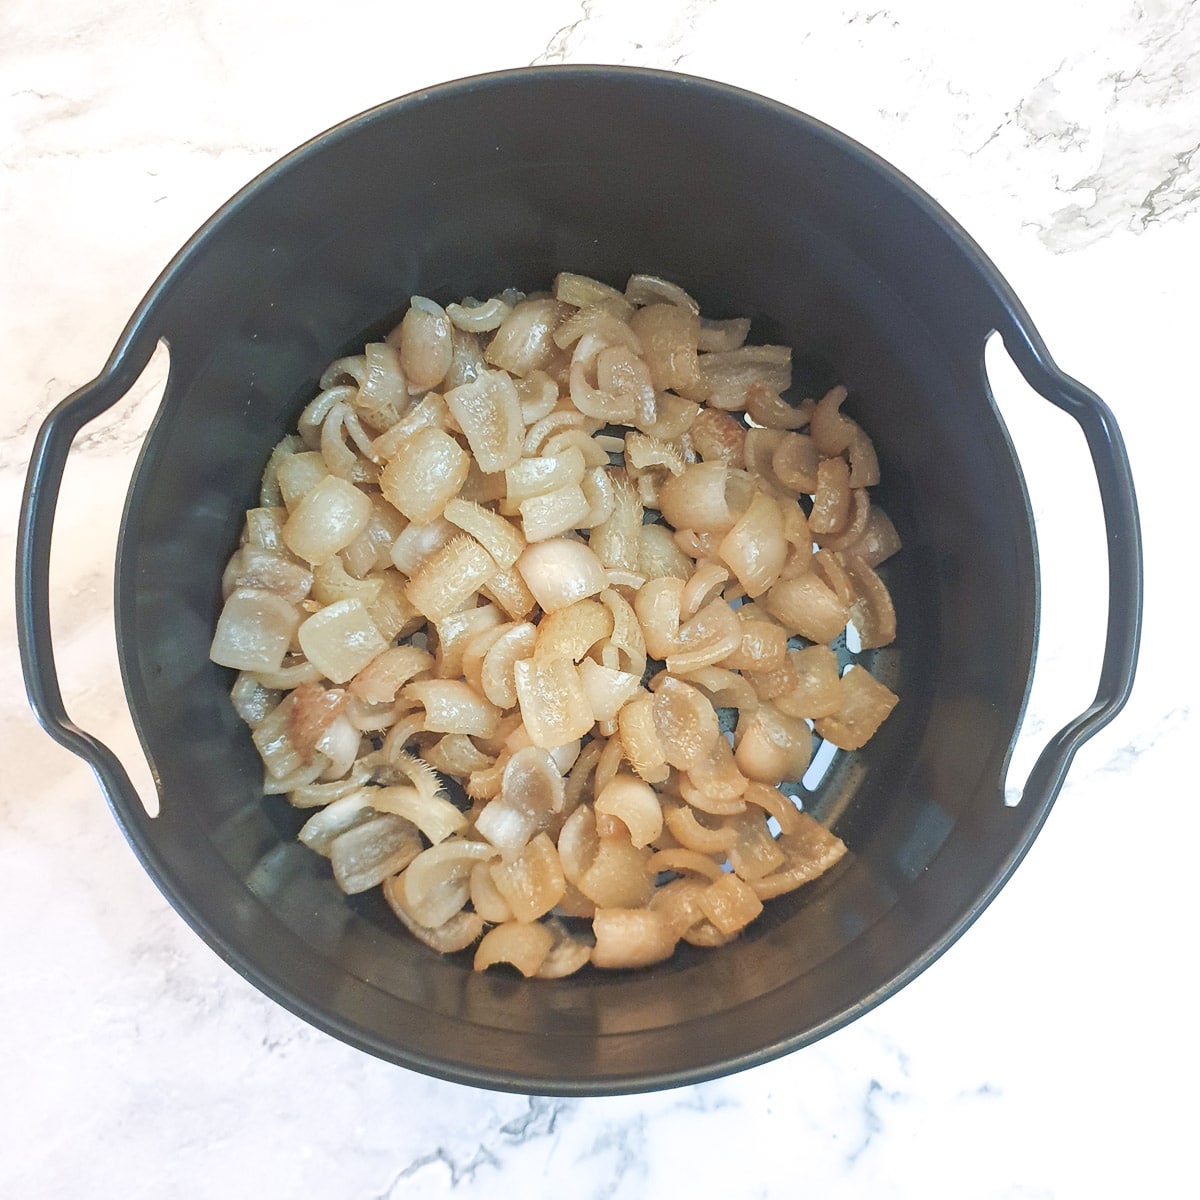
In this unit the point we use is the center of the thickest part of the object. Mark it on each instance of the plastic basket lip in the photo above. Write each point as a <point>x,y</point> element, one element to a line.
<point>604,75</point>
<point>141,831</point>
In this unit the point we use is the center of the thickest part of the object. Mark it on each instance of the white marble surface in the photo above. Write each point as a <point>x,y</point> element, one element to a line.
<point>1052,1052</point>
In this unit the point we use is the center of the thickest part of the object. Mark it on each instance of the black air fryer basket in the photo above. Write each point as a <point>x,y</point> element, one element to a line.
<point>757,210</point>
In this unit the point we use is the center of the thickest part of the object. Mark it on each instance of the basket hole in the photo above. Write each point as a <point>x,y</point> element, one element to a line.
<point>1072,559</point>
<point>82,561</point>
<point>818,768</point>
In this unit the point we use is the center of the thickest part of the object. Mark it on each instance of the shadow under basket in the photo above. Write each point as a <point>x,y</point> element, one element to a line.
<point>759,211</point>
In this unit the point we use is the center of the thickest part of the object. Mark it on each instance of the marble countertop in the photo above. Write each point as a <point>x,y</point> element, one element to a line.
<point>1052,1051</point>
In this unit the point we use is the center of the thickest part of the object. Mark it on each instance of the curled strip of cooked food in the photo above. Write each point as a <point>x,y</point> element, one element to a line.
<point>539,617</point>
<point>631,937</point>
<point>635,804</point>
<point>520,944</point>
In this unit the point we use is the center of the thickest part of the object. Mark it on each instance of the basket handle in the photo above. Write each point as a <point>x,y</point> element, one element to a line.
<point>39,504</point>
<point>1124,541</point>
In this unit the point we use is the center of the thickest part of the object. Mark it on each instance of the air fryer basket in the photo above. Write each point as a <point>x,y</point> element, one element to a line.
<point>504,180</point>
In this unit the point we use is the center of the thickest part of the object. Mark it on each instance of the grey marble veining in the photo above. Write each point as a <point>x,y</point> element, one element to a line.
<point>1122,122</point>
